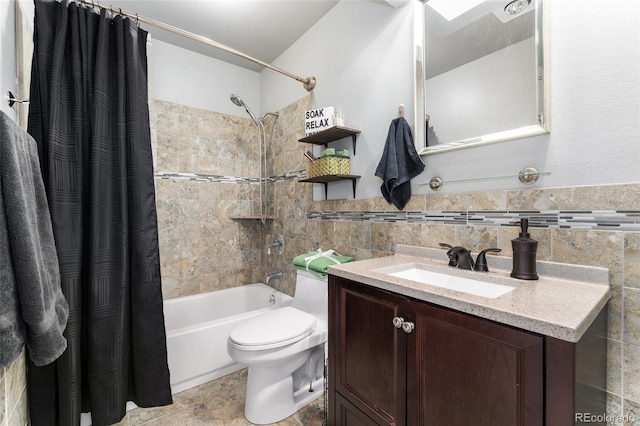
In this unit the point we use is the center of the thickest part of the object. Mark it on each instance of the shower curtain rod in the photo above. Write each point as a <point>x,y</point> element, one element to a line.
<point>309,83</point>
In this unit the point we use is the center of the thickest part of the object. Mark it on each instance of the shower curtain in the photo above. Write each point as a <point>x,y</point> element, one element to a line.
<point>89,114</point>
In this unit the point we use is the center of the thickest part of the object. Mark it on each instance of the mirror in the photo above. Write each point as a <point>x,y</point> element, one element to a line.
<point>480,73</point>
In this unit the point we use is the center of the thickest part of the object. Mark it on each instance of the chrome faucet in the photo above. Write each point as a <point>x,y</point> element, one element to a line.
<point>277,245</point>
<point>273,276</point>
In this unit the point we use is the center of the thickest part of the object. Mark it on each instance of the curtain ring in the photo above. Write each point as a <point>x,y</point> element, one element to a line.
<point>137,20</point>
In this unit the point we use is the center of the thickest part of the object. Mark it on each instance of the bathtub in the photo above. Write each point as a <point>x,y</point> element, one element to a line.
<point>198,327</point>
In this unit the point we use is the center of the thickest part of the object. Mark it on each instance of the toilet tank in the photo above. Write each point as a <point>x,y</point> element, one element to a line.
<point>311,293</point>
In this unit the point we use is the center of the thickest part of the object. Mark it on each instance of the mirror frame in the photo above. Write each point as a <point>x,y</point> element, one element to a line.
<point>542,102</point>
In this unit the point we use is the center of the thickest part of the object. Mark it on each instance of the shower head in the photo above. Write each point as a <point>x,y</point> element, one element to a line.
<point>238,101</point>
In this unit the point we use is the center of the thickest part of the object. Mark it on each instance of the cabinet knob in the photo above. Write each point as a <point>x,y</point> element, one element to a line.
<point>398,321</point>
<point>408,327</point>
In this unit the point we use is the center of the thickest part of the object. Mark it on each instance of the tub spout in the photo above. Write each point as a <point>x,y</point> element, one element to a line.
<point>273,276</point>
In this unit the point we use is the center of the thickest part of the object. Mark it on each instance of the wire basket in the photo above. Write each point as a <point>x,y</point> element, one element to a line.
<point>329,165</point>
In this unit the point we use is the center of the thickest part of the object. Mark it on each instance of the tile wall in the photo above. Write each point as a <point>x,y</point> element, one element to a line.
<point>614,243</point>
<point>206,170</point>
<point>202,249</point>
<point>597,226</point>
<point>13,394</point>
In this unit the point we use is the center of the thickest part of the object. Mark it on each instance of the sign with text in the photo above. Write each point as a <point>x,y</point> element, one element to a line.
<point>317,120</point>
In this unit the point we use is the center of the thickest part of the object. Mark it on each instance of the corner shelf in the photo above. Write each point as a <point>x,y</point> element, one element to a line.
<point>323,138</point>
<point>325,179</point>
<point>330,135</point>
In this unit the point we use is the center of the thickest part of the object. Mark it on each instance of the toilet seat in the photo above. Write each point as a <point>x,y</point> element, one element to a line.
<point>274,329</point>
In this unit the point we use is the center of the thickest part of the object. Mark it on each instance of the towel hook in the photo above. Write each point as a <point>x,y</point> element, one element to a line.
<point>401,110</point>
<point>12,100</point>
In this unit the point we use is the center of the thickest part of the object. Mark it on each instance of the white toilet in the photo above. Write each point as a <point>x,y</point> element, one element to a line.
<point>285,352</point>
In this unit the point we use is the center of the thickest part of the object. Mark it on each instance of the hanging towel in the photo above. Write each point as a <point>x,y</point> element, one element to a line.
<point>320,260</point>
<point>32,306</point>
<point>400,163</point>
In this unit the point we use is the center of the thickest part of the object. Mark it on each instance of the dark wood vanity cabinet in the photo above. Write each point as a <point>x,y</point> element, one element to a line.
<point>463,370</point>
<point>441,367</point>
<point>367,356</point>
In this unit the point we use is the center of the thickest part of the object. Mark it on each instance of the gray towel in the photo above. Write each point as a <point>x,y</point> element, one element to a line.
<point>400,163</point>
<point>32,306</point>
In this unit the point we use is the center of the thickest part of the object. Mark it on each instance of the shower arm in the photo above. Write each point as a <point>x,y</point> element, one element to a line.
<point>309,83</point>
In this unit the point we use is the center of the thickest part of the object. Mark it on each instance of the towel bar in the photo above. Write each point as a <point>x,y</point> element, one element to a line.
<point>528,175</point>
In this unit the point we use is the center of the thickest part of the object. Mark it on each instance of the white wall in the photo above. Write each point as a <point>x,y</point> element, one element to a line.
<point>187,78</point>
<point>175,74</point>
<point>595,106</point>
<point>488,95</point>
<point>7,54</point>
<point>360,52</point>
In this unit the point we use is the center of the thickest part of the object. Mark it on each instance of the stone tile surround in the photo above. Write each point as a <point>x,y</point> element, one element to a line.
<point>595,220</point>
<point>597,225</point>
<point>204,164</point>
<point>13,394</point>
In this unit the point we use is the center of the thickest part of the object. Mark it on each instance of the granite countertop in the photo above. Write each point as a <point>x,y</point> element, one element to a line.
<point>562,303</point>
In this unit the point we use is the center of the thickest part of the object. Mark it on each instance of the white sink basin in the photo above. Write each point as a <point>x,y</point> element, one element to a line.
<point>413,272</point>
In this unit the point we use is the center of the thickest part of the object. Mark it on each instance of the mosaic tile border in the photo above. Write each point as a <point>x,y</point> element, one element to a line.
<point>204,178</point>
<point>300,174</point>
<point>610,220</point>
<point>603,220</point>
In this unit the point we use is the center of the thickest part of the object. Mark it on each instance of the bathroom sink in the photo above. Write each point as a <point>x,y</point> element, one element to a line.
<point>414,272</point>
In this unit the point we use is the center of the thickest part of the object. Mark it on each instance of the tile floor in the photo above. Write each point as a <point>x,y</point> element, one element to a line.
<point>219,402</point>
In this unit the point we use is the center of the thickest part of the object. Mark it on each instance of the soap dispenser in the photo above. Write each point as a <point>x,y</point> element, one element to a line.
<point>524,254</point>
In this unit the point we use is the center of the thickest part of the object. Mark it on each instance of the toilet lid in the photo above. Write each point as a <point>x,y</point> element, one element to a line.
<point>276,328</point>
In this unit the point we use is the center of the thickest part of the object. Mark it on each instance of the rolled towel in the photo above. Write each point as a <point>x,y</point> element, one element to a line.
<point>320,260</point>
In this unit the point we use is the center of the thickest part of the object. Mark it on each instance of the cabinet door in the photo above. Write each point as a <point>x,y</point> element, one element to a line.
<point>463,370</point>
<point>348,415</point>
<point>367,354</point>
